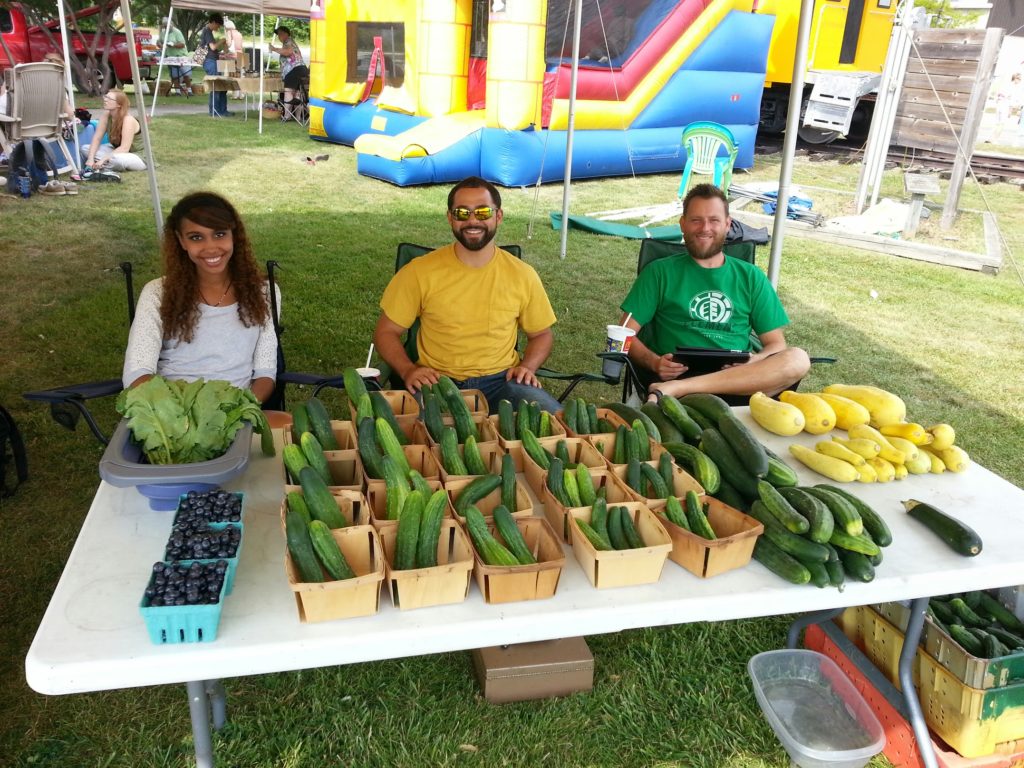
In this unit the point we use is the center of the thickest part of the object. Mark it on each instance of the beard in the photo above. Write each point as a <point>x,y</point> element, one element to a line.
<point>475,244</point>
<point>703,253</point>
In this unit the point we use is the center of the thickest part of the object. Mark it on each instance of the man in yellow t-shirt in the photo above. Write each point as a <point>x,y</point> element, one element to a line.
<point>471,298</point>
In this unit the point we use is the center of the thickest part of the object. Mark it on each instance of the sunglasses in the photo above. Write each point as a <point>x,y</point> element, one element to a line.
<point>483,213</point>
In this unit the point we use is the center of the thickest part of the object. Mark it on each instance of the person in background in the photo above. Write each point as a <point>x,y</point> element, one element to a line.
<point>121,128</point>
<point>235,52</point>
<point>471,299</point>
<point>209,316</point>
<point>293,70</point>
<point>215,44</point>
<point>181,76</point>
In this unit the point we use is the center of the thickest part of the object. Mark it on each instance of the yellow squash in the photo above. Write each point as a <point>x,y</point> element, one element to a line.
<point>938,466</point>
<point>889,452</point>
<point>867,473</point>
<point>955,458</point>
<point>943,435</point>
<point>859,445</point>
<point>885,407</point>
<point>848,412</point>
<point>919,463</point>
<point>907,448</point>
<point>778,418</point>
<point>900,471</point>
<point>915,433</point>
<point>819,416</point>
<point>886,471</point>
<point>834,469</point>
<point>837,451</point>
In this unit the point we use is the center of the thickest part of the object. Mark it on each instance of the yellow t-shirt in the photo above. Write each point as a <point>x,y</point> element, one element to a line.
<point>469,317</point>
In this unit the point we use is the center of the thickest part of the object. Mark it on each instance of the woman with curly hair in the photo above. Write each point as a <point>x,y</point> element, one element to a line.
<point>209,316</point>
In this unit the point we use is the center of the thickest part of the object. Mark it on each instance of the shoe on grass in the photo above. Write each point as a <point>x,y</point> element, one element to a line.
<point>52,188</point>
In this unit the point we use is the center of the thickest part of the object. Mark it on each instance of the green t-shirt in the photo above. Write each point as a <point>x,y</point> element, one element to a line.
<point>679,303</point>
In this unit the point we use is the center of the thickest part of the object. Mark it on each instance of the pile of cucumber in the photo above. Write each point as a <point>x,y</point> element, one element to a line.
<point>419,530</point>
<point>468,461</point>
<point>311,416</point>
<point>445,397</point>
<point>628,443</point>
<point>819,535</point>
<point>610,528</point>
<point>482,487</point>
<point>649,482</point>
<point>571,484</point>
<point>308,521</point>
<point>581,417</point>
<point>378,440</point>
<point>979,623</point>
<point>694,518</point>
<point>510,551</point>
<point>529,417</point>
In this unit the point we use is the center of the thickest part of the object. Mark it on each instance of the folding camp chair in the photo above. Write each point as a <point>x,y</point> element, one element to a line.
<point>653,250</point>
<point>704,141</point>
<point>407,252</point>
<point>37,99</point>
<point>68,404</point>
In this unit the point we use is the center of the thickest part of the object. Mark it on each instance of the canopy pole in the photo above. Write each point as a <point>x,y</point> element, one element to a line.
<point>69,90</point>
<point>160,66</point>
<point>140,103</point>
<point>796,95</point>
<point>262,70</point>
<point>566,194</point>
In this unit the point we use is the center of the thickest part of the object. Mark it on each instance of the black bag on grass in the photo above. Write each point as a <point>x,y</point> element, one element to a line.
<point>32,158</point>
<point>12,454</point>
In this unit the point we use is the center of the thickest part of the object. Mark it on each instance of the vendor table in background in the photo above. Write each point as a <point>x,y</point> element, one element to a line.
<point>249,86</point>
<point>92,637</point>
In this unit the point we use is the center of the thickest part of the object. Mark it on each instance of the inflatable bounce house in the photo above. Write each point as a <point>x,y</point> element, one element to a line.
<point>431,91</point>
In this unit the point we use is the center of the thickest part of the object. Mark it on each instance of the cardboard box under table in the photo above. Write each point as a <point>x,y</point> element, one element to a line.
<point>491,454</point>
<point>442,584</point>
<point>348,598</point>
<point>616,492</point>
<point>623,567</point>
<point>733,548</point>
<point>579,450</point>
<point>514,583</point>
<point>540,670</point>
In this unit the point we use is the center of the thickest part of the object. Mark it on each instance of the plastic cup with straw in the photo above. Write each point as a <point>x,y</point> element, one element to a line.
<point>619,338</point>
<point>368,373</point>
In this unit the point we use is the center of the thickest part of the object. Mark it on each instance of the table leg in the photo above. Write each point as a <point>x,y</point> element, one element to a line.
<point>804,621</point>
<point>906,667</point>
<point>218,703</point>
<point>199,709</point>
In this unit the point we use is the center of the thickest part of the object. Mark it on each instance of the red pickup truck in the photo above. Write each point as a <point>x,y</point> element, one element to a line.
<point>30,43</point>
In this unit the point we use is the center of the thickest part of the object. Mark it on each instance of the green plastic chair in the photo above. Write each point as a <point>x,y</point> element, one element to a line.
<point>703,142</point>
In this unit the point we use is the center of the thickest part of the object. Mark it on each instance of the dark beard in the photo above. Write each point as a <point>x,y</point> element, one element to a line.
<point>702,255</point>
<point>477,245</point>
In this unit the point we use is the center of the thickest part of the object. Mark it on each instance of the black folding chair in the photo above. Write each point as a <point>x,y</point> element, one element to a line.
<point>406,252</point>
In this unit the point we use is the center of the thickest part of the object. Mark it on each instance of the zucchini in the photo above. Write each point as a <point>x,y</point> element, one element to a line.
<point>513,538</point>
<point>615,533</point>
<point>476,490</point>
<point>585,486</point>
<point>697,517</point>
<point>666,427</point>
<point>819,516</point>
<point>369,451</point>
<point>711,407</point>
<point>743,443</point>
<point>432,416</point>
<point>857,565</point>
<point>355,387</point>
<point>506,420</point>
<point>534,449</point>
<point>327,551</point>
<point>781,509</point>
<point>382,410</point>
<point>592,536</point>
<point>655,482</point>
<point>715,445</point>
<point>802,549</point>
<point>674,512</point>
<point>300,421</point>
<point>315,455</point>
<point>697,463</point>
<point>680,419</point>
<point>873,522</point>
<point>491,551</point>
<point>508,482</point>
<point>960,537</point>
<point>472,458</point>
<point>297,503</point>
<point>779,563</point>
<point>320,424</point>
<point>430,529</point>
<point>300,547</point>
<point>294,460</point>
<point>322,505</point>
<point>847,518</point>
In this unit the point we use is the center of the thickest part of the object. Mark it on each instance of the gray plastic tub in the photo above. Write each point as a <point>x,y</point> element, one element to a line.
<point>122,466</point>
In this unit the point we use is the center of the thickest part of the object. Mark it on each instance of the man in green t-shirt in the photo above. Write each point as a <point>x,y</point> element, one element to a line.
<point>703,299</point>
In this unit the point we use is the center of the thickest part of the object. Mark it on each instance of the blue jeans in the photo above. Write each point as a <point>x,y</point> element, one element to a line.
<point>495,388</point>
<point>218,99</point>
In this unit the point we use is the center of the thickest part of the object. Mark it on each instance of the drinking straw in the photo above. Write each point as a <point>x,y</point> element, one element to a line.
<point>368,356</point>
<point>626,321</point>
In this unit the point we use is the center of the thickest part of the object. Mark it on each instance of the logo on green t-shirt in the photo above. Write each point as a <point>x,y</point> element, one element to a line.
<point>711,307</point>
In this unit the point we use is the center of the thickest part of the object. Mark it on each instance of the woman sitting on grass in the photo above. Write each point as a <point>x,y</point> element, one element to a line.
<point>209,316</point>
<point>121,127</point>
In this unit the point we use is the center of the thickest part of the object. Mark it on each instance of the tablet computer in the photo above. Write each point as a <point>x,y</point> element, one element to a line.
<point>700,360</point>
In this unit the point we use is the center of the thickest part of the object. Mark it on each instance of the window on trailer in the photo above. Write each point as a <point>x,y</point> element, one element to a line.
<point>360,50</point>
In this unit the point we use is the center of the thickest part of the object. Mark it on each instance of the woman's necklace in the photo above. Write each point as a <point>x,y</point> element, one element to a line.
<point>219,301</point>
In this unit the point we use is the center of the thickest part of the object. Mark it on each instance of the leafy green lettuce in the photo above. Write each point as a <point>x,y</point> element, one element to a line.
<point>180,422</point>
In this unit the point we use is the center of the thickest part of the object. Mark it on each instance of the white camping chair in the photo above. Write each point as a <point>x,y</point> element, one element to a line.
<point>36,105</point>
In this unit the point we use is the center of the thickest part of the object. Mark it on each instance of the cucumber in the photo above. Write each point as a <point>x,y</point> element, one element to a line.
<point>523,420</point>
<point>569,415</point>
<point>327,551</point>
<point>802,549</point>
<point>729,465</point>
<point>320,424</point>
<point>508,482</point>
<point>545,424</point>
<point>819,573</point>
<point>674,512</point>
<point>382,410</point>
<point>643,441</point>
<point>583,426</point>
<point>592,420</point>
<point>390,446</point>
<point>585,486</point>
<point>680,418</point>
<point>472,458</point>
<point>451,459</point>
<point>506,420</point>
<point>780,474</point>
<point>658,488</point>
<point>491,551</point>
<point>300,421</point>
<point>630,414</point>
<point>1011,640</point>
<point>846,516</point>
<point>965,613</point>
<point>296,502</point>
<point>834,566</point>
<point>862,544</point>
<point>572,492</point>
<point>407,538</point>
<point>998,612</point>
<point>534,449</point>
<point>556,482</point>
<point>369,451</point>
<point>476,490</point>
<point>294,460</point>
<point>711,407</point>
<point>419,483</point>
<point>743,443</point>
<point>779,563</point>
<point>364,408</point>
<point>632,446</point>
<point>634,476</point>
<point>666,427</point>
<point>873,522</point>
<point>300,547</point>
<point>697,518</point>
<point>322,505</point>
<point>665,470</point>
<point>729,495</point>
<point>701,420</point>
<point>315,456</point>
<point>510,533</point>
<point>621,438</point>
<point>562,452</point>
<point>969,642</point>
<point>432,416</point>
<point>697,463</point>
<point>355,387</point>
<point>599,520</point>
<point>781,509</point>
<point>615,532</point>
<point>396,488</point>
<point>857,566</point>
<point>592,536</point>
<point>816,511</point>
<point>534,417</point>
<point>430,529</point>
<point>457,407</point>
<point>630,531</point>
<point>961,538</point>
<point>942,610</point>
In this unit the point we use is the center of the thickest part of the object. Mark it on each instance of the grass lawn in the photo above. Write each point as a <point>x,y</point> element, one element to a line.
<point>948,340</point>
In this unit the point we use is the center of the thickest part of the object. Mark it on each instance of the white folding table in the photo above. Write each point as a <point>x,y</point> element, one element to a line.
<point>92,636</point>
